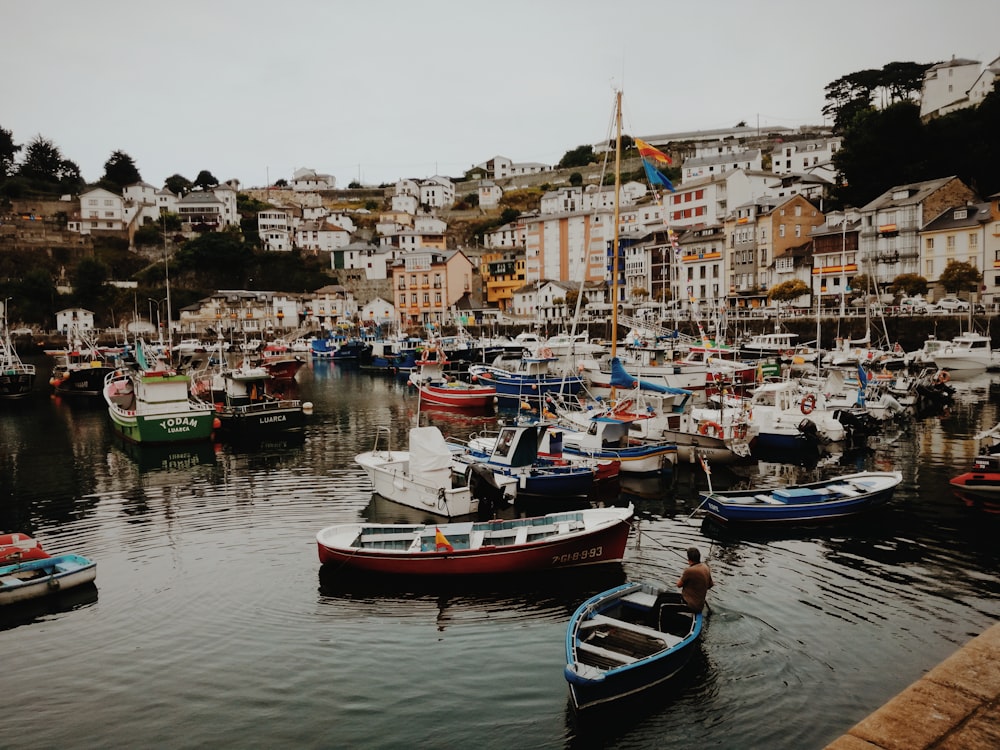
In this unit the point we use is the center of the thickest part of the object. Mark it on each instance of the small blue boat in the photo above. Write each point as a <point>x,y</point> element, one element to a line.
<point>532,378</point>
<point>619,644</point>
<point>830,499</point>
<point>33,579</point>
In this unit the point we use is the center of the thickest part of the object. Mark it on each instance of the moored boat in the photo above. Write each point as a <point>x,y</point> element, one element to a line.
<point>827,500</point>
<point>440,389</point>
<point>620,643</point>
<point>17,547</point>
<point>149,403</point>
<point>241,402</point>
<point>983,478</point>
<point>38,578</point>
<point>591,536</point>
<point>423,477</point>
<point>16,378</point>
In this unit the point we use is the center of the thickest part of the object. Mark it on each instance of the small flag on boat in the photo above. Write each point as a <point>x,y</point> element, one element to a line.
<point>704,465</point>
<point>653,160</point>
<point>441,541</point>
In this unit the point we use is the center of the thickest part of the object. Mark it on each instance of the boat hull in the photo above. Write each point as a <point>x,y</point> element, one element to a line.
<point>807,503</point>
<point>173,427</point>
<point>50,576</point>
<point>633,658</point>
<point>17,382</point>
<point>604,543</point>
<point>979,483</point>
<point>266,418</point>
<point>80,381</point>
<point>462,397</point>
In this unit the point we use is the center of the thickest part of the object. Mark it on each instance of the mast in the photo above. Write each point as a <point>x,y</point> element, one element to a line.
<point>614,242</point>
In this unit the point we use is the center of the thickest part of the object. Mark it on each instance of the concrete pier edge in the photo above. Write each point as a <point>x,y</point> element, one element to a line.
<point>955,706</point>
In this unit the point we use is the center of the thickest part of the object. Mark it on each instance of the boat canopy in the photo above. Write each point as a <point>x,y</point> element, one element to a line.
<point>430,457</point>
<point>621,379</point>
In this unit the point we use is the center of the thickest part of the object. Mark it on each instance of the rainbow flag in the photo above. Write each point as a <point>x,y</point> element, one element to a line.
<point>441,541</point>
<point>653,160</point>
<point>648,153</point>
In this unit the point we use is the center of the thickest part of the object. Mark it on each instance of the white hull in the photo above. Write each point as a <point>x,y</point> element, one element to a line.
<point>390,478</point>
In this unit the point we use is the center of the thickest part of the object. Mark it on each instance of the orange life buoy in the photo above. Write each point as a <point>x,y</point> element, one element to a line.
<point>943,376</point>
<point>545,352</point>
<point>705,425</point>
<point>808,404</point>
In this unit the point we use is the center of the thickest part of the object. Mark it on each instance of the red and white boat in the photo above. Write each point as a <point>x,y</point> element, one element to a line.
<point>440,389</point>
<point>522,545</point>
<point>280,361</point>
<point>17,547</point>
<point>982,480</point>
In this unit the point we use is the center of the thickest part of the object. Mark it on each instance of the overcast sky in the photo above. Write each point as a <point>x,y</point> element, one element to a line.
<point>380,90</point>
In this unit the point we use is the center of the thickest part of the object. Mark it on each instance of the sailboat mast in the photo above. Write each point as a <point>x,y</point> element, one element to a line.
<point>614,242</point>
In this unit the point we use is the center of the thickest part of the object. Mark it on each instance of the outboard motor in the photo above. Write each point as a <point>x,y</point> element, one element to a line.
<point>808,428</point>
<point>484,488</point>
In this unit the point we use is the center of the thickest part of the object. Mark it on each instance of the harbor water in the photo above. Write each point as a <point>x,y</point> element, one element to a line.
<point>212,623</point>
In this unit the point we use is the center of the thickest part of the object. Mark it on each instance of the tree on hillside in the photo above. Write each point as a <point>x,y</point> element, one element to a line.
<point>215,257</point>
<point>856,92</point>
<point>8,152</point>
<point>177,184</point>
<point>205,180</point>
<point>576,179</point>
<point>580,156</point>
<point>119,171</point>
<point>46,170</point>
<point>88,281</point>
<point>959,276</point>
<point>881,149</point>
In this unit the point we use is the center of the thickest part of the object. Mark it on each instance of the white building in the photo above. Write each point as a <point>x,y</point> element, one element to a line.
<point>946,87</point>
<point>489,194</point>
<point>74,317</point>
<point>719,164</point>
<point>437,192</point>
<point>321,236</point>
<point>101,209</point>
<point>801,156</point>
<point>309,180</point>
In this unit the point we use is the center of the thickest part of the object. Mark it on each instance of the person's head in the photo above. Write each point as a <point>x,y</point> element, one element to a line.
<point>694,556</point>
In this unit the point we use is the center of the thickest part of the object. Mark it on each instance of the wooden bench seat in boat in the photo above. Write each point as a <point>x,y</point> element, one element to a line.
<point>616,659</point>
<point>667,639</point>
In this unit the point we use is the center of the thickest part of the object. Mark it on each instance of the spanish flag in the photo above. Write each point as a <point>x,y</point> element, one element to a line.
<point>441,541</point>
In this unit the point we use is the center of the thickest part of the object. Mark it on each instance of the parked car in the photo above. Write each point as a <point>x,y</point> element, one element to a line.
<point>952,304</point>
<point>913,306</point>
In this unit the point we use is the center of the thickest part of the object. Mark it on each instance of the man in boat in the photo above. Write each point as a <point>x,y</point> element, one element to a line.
<point>695,581</point>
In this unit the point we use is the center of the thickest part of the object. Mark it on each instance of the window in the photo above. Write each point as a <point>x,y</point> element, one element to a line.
<point>781,230</point>
<point>950,242</point>
<point>973,240</point>
<point>929,267</point>
<point>929,243</point>
<point>798,230</point>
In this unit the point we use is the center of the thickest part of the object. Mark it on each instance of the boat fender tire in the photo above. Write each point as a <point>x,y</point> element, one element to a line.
<point>943,377</point>
<point>808,404</point>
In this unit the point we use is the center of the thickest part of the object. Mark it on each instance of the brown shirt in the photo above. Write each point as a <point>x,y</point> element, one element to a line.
<point>694,584</point>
